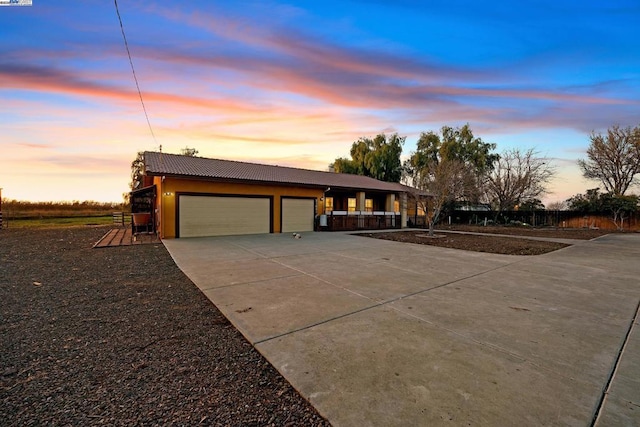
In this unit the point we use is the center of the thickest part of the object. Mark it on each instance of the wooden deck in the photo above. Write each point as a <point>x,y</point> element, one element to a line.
<point>124,237</point>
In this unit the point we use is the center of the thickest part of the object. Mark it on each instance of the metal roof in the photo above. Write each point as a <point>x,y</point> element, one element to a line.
<point>229,170</point>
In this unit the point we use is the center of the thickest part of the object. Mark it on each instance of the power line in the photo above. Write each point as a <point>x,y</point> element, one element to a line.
<point>126,45</point>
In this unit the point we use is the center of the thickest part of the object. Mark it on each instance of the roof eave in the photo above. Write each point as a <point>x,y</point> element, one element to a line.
<point>262,182</point>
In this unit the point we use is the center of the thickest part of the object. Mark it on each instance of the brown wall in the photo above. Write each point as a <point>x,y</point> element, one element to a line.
<point>601,222</point>
<point>168,189</point>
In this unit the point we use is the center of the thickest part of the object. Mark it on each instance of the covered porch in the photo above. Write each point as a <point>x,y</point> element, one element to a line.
<point>143,210</point>
<point>344,209</point>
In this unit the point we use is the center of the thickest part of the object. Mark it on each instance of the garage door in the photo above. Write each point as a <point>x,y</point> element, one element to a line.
<point>297,215</point>
<point>223,216</point>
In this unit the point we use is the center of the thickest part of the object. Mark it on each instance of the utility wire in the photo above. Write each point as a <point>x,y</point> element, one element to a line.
<point>126,45</point>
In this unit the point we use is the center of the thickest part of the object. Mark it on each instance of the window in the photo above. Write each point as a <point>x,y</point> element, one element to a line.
<point>396,206</point>
<point>328,204</point>
<point>368,205</point>
<point>352,205</point>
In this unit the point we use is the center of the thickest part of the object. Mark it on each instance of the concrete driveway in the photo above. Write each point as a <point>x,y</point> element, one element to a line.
<point>383,333</point>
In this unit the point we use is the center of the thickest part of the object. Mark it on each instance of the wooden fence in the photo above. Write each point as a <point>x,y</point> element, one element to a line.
<point>561,219</point>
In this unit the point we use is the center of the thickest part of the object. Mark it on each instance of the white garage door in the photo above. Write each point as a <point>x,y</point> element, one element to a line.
<point>297,215</point>
<point>223,216</point>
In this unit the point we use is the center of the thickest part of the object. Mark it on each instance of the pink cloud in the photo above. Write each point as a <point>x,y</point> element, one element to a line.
<point>304,64</point>
<point>34,146</point>
<point>291,81</point>
<point>45,79</point>
<point>365,90</point>
<point>315,71</point>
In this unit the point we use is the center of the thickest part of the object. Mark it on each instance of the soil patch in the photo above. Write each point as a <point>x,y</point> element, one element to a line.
<point>472,242</point>
<point>120,336</point>
<point>552,232</point>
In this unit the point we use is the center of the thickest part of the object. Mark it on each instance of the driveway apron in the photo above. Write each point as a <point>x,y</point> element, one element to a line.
<point>381,333</point>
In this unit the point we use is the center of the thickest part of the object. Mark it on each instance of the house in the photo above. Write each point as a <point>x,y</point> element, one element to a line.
<point>195,196</point>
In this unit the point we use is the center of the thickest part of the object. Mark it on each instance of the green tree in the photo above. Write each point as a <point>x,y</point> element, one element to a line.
<point>613,159</point>
<point>451,144</point>
<point>378,158</point>
<point>595,202</point>
<point>588,202</point>
<point>344,165</point>
<point>619,207</point>
<point>531,205</point>
<point>191,152</point>
<point>447,167</point>
<point>461,144</point>
<point>426,155</point>
<point>137,171</point>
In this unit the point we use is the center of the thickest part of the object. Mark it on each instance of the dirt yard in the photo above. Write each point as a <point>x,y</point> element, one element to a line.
<point>491,244</point>
<point>552,232</point>
<point>119,336</point>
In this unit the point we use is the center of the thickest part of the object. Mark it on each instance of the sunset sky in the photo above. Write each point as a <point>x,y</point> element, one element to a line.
<point>296,83</point>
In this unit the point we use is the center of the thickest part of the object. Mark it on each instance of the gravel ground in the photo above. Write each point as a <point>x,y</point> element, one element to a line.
<point>119,336</point>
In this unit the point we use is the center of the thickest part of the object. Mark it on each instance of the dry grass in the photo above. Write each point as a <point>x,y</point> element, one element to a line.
<point>21,214</point>
<point>20,209</point>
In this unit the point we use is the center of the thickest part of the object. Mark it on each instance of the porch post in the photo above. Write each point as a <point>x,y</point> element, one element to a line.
<point>360,197</point>
<point>403,210</point>
<point>391,201</point>
<point>389,207</point>
<point>360,207</point>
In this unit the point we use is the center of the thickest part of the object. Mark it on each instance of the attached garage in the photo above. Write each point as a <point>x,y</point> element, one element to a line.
<point>203,215</point>
<point>297,214</point>
<point>199,196</point>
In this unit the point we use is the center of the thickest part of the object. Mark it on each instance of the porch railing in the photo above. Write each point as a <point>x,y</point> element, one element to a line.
<point>358,220</point>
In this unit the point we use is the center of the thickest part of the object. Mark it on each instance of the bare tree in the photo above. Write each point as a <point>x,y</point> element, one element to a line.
<point>613,159</point>
<point>559,205</point>
<point>517,176</point>
<point>441,182</point>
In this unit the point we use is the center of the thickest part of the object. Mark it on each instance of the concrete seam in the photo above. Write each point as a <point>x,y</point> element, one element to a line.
<point>274,260</point>
<point>614,370</point>
<point>230,285</point>
<point>324,281</point>
<point>487,344</point>
<point>322,322</point>
<point>453,281</point>
<point>380,304</point>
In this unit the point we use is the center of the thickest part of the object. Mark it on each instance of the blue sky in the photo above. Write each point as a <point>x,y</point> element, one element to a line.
<point>296,83</point>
